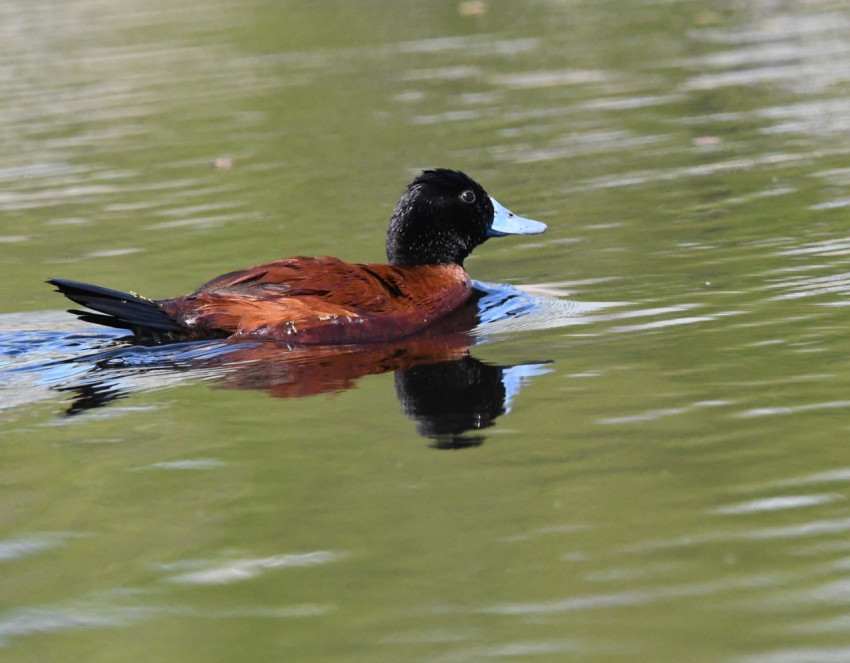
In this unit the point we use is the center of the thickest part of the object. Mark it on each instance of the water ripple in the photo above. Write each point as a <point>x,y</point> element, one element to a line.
<point>612,600</point>
<point>800,655</point>
<point>778,503</point>
<point>187,464</point>
<point>840,475</point>
<point>792,409</point>
<point>246,569</point>
<point>13,549</point>
<point>803,530</point>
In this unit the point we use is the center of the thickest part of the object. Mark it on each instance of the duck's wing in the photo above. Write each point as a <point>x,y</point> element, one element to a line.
<point>298,275</point>
<point>323,300</point>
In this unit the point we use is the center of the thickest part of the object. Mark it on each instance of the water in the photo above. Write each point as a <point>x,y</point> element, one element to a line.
<point>663,473</point>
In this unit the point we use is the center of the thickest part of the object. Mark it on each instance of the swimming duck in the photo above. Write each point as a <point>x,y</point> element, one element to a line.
<point>441,217</point>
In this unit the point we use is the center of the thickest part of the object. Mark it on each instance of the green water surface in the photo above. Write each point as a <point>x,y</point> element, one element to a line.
<point>674,489</point>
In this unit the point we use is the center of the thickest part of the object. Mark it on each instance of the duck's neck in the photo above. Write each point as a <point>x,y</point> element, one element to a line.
<point>406,246</point>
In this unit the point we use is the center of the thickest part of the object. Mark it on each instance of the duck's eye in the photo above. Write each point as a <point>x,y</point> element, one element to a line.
<point>468,196</point>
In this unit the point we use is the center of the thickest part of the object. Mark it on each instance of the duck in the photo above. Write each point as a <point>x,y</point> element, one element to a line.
<point>440,218</point>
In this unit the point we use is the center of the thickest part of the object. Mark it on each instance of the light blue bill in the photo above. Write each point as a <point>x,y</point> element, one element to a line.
<point>506,222</point>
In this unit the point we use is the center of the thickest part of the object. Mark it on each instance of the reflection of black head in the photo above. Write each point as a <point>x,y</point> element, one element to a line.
<point>448,398</point>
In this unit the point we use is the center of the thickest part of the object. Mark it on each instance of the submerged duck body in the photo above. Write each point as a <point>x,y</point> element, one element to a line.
<point>441,217</point>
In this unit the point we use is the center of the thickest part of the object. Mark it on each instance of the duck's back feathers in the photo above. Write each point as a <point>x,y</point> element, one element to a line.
<point>322,300</point>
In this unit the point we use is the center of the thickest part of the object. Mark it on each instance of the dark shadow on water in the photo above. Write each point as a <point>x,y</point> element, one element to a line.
<point>449,394</point>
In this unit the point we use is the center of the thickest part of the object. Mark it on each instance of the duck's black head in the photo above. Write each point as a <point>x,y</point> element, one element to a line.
<point>443,215</point>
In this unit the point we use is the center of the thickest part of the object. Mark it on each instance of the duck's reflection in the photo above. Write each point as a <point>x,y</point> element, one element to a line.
<point>451,395</point>
<point>451,400</point>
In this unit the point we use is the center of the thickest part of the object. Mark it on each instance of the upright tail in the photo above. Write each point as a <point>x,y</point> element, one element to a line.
<point>143,317</point>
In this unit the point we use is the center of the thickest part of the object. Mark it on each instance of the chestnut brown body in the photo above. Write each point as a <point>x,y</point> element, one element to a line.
<point>321,301</point>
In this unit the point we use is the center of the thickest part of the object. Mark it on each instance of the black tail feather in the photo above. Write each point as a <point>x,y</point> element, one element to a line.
<point>98,319</point>
<point>118,309</point>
